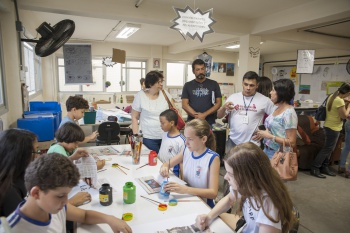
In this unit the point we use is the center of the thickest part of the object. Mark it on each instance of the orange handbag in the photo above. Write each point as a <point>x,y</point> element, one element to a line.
<point>285,162</point>
<point>180,122</point>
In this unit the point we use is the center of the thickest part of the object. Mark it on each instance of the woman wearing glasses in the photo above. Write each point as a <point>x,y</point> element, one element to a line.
<point>18,148</point>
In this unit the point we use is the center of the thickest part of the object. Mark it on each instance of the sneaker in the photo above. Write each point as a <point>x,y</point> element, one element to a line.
<point>341,170</point>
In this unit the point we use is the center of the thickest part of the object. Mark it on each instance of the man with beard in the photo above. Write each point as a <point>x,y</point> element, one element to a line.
<point>201,97</point>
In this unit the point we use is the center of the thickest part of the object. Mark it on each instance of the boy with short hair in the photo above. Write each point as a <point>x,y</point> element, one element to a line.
<point>48,180</point>
<point>172,140</point>
<point>76,107</point>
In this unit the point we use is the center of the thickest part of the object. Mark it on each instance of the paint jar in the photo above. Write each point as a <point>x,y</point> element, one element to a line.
<point>129,193</point>
<point>162,192</point>
<point>106,195</point>
<point>152,158</point>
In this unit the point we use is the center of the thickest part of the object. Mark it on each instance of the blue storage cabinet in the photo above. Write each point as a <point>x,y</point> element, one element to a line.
<point>43,127</point>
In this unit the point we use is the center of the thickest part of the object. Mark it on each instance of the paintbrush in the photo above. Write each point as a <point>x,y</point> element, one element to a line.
<point>121,170</point>
<point>149,199</point>
<point>168,171</point>
<point>142,166</point>
<point>188,200</point>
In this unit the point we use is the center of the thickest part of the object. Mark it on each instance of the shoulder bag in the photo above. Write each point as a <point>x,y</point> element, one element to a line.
<point>321,112</point>
<point>285,162</point>
<point>180,121</point>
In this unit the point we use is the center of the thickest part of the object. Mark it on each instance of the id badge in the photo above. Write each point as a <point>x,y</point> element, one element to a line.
<point>245,120</point>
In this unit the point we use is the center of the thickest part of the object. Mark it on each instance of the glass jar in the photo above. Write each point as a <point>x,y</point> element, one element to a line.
<point>106,197</point>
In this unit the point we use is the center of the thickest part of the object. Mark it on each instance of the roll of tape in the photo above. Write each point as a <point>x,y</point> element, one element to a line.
<point>127,216</point>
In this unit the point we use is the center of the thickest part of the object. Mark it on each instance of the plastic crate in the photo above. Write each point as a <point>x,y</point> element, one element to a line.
<point>40,107</point>
<point>43,127</point>
<point>36,114</point>
<point>90,117</point>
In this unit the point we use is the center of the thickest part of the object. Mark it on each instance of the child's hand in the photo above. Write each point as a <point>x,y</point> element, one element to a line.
<point>175,187</point>
<point>80,198</point>
<point>164,170</point>
<point>100,164</point>
<point>80,152</point>
<point>118,225</point>
<point>202,221</point>
<point>93,136</point>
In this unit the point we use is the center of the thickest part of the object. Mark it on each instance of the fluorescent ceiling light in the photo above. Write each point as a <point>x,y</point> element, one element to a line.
<point>233,46</point>
<point>128,30</point>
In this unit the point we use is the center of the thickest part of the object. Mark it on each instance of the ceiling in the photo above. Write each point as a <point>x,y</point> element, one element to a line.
<point>283,25</point>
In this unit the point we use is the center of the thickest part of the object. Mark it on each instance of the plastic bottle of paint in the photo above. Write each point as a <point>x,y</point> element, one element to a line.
<point>106,197</point>
<point>129,193</point>
<point>152,158</point>
<point>162,192</point>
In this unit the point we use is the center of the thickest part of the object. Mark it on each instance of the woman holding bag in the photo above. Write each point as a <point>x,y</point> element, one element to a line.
<point>146,108</point>
<point>336,112</point>
<point>282,123</point>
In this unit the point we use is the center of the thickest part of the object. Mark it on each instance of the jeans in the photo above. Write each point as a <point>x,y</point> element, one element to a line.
<point>322,158</point>
<point>152,144</point>
<point>269,152</point>
<point>346,149</point>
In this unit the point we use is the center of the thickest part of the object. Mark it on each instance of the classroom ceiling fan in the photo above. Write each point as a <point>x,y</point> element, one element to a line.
<point>52,38</point>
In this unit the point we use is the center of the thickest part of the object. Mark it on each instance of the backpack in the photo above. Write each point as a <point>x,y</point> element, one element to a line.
<point>321,112</point>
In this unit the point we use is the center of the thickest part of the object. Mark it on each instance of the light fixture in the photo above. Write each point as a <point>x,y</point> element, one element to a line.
<point>233,46</point>
<point>128,30</point>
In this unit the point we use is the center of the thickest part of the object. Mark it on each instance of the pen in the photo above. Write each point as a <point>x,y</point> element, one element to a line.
<point>102,170</point>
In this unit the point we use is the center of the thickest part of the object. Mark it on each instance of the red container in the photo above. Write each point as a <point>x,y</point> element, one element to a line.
<point>152,158</point>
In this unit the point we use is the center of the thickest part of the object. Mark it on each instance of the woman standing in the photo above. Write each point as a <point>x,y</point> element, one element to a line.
<point>336,112</point>
<point>18,148</point>
<point>282,124</point>
<point>146,108</point>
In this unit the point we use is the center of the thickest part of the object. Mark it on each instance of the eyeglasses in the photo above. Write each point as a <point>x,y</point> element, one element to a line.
<point>38,152</point>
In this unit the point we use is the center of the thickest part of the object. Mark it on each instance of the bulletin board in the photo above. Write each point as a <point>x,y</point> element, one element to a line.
<point>324,80</point>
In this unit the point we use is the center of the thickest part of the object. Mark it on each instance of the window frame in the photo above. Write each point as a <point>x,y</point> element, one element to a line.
<point>3,93</point>
<point>187,64</point>
<point>37,70</point>
<point>104,76</point>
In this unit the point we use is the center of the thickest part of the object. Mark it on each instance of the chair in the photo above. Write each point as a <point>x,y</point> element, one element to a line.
<point>108,133</point>
<point>125,131</point>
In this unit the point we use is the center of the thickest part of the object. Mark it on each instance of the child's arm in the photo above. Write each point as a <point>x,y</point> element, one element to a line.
<point>204,220</point>
<point>94,217</point>
<point>78,153</point>
<point>91,137</point>
<point>211,192</point>
<point>164,169</point>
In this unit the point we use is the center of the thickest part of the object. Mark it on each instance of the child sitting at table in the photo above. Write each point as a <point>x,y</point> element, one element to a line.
<point>173,141</point>
<point>76,107</point>
<point>260,192</point>
<point>48,181</point>
<point>201,164</point>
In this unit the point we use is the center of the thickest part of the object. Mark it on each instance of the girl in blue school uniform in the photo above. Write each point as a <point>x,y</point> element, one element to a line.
<point>201,164</point>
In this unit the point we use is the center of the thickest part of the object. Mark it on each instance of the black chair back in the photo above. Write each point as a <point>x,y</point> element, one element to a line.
<point>108,132</point>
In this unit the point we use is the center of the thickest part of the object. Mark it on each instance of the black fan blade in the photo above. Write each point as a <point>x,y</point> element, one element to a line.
<point>54,39</point>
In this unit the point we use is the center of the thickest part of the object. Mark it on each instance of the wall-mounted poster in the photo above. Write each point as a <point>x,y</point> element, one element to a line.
<point>215,67</point>
<point>222,68</point>
<point>230,69</point>
<point>305,61</point>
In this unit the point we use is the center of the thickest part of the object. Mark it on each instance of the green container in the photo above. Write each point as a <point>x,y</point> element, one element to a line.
<point>90,117</point>
<point>129,193</point>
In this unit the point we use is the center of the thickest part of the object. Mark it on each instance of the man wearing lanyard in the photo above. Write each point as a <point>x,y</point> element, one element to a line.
<point>246,110</point>
<point>201,97</point>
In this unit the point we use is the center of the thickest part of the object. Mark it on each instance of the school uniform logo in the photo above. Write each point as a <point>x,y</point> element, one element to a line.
<point>198,171</point>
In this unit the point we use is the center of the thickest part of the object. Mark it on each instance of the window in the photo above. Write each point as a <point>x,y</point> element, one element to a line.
<point>178,73</point>
<point>2,81</point>
<point>123,77</point>
<point>32,69</point>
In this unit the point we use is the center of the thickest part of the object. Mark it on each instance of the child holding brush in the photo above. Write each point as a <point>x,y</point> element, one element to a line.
<point>201,164</point>
<point>173,142</point>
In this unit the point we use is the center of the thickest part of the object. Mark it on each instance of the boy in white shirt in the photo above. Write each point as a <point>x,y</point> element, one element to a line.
<point>48,181</point>
<point>172,140</point>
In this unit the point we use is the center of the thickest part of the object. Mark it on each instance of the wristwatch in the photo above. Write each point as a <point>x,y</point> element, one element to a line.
<point>274,138</point>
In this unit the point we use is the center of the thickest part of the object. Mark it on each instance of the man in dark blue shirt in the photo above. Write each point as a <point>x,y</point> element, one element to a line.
<point>201,97</point>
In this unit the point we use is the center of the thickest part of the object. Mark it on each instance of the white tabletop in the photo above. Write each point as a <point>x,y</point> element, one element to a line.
<point>147,217</point>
